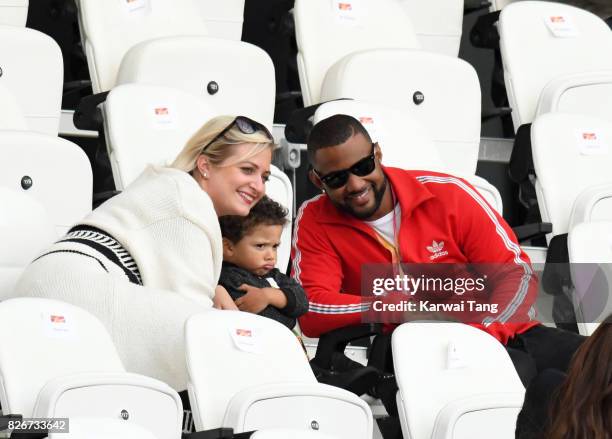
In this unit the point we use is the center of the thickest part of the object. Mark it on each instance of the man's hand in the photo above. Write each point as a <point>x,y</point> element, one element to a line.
<point>222,299</point>
<point>257,299</point>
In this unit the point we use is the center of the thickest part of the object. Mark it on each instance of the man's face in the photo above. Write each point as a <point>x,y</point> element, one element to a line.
<point>360,196</point>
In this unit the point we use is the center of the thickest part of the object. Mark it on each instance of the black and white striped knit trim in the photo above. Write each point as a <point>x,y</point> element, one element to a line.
<point>108,246</point>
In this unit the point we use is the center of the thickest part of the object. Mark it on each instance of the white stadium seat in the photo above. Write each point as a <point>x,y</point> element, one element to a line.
<point>405,142</point>
<point>463,385</point>
<point>438,24</point>
<point>579,148</point>
<point>166,42</point>
<point>575,195</point>
<point>442,92</point>
<point>249,372</point>
<point>13,12</point>
<point>25,229</point>
<point>328,30</point>
<point>110,29</point>
<point>35,80</point>
<point>148,124</point>
<point>232,76</point>
<point>542,42</point>
<point>50,169</point>
<point>76,371</point>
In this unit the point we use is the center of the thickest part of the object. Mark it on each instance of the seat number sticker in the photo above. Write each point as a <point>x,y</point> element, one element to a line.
<point>591,142</point>
<point>347,11</point>
<point>246,339</point>
<point>561,26</point>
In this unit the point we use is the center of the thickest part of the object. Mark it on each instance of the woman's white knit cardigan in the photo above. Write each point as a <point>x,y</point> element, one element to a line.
<point>169,226</point>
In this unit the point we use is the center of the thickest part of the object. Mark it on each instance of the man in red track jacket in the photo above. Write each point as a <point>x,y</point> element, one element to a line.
<point>372,214</point>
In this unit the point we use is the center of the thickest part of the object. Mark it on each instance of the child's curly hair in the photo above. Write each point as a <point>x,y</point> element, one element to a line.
<point>266,211</point>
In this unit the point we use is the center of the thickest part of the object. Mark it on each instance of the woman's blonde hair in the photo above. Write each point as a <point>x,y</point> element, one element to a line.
<point>222,148</point>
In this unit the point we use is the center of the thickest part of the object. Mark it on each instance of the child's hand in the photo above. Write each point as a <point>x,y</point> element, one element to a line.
<point>222,299</point>
<point>255,299</point>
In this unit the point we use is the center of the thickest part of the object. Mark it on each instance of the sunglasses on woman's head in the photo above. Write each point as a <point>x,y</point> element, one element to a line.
<point>337,179</point>
<point>245,125</point>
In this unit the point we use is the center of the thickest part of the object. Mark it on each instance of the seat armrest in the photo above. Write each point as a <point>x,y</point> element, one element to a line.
<point>530,231</point>
<point>491,113</point>
<point>215,433</point>
<point>87,115</point>
<point>484,33</point>
<point>336,341</point>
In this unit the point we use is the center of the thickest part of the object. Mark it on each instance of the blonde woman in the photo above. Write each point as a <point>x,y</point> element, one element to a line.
<point>150,257</point>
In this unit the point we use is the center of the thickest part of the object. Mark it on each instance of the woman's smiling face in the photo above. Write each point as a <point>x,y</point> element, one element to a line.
<point>236,187</point>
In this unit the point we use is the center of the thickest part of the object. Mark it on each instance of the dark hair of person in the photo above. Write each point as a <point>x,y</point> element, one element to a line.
<point>333,131</point>
<point>583,407</point>
<point>266,211</point>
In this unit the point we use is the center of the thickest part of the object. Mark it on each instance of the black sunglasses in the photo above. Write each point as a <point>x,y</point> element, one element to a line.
<point>337,179</point>
<point>245,125</point>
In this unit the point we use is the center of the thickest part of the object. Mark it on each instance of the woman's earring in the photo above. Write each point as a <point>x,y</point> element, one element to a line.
<point>205,174</point>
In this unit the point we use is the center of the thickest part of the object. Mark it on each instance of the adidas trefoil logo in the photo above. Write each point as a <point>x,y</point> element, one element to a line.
<point>437,248</point>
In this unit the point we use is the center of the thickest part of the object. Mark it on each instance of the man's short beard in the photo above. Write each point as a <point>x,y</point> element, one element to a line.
<point>379,193</point>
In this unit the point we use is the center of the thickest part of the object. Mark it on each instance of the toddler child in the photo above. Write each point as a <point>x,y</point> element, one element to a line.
<point>248,273</point>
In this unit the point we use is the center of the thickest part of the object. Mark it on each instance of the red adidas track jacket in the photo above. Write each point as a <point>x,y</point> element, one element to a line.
<point>330,247</point>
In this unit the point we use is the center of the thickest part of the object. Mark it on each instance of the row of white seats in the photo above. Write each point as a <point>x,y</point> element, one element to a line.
<point>241,81</point>
<point>240,379</point>
<point>555,58</point>
<point>424,108</point>
<point>223,20</point>
<point>575,195</point>
<point>558,76</point>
